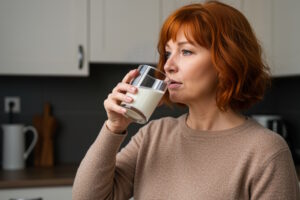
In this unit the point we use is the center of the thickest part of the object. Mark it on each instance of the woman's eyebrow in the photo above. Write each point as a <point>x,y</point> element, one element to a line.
<point>181,43</point>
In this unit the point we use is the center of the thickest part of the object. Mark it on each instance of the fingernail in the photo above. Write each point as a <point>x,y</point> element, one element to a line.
<point>133,89</point>
<point>129,99</point>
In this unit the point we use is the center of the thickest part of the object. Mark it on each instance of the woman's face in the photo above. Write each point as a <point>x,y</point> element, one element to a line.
<point>190,66</point>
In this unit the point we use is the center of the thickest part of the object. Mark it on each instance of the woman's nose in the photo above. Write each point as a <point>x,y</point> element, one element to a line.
<point>170,65</point>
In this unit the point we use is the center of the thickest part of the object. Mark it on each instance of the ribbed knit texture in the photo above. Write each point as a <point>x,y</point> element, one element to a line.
<point>168,160</point>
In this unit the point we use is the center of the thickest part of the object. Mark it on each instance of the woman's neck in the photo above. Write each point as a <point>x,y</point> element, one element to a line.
<point>208,117</point>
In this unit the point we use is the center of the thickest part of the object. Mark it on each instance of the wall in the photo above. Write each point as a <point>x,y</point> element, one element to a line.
<point>78,106</point>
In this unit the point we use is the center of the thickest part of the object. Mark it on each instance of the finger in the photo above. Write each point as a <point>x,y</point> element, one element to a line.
<point>111,106</point>
<point>124,87</point>
<point>130,75</point>
<point>122,97</point>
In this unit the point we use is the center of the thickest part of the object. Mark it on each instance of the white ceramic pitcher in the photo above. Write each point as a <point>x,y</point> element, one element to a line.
<point>14,154</point>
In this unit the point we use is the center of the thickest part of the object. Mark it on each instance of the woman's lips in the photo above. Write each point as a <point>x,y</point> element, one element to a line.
<point>174,85</point>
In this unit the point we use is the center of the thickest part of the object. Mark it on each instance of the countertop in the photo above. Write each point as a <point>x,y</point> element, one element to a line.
<point>38,177</point>
<point>46,177</point>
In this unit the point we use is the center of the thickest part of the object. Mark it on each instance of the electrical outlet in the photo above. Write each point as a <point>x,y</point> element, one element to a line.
<point>17,104</point>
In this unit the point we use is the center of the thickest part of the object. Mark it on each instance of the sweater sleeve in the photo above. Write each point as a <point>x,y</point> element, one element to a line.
<point>104,173</point>
<point>276,179</point>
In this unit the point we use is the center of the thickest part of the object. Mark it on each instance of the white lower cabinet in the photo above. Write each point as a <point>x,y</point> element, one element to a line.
<point>45,193</point>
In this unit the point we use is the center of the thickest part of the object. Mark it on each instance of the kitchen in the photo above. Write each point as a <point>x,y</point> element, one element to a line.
<point>72,53</point>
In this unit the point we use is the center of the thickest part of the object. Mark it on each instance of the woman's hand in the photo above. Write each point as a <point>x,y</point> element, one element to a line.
<point>117,122</point>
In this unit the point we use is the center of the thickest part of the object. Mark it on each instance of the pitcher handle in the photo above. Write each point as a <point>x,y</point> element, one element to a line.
<point>34,140</point>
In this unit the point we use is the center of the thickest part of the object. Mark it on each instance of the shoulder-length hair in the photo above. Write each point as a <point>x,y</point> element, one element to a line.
<point>235,51</point>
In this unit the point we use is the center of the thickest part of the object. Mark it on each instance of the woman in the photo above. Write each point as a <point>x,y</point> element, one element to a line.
<point>213,61</point>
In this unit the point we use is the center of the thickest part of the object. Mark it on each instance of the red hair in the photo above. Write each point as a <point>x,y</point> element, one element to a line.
<point>236,54</point>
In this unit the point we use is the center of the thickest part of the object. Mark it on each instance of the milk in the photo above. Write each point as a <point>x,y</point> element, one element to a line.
<point>145,101</point>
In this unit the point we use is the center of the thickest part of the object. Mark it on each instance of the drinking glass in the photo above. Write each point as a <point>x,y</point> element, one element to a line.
<point>151,87</point>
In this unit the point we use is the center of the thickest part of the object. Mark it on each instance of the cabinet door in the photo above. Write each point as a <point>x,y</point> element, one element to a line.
<point>124,31</point>
<point>277,26</point>
<point>259,15</point>
<point>286,42</point>
<point>234,3</point>
<point>169,6</point>
<point>43,37</point>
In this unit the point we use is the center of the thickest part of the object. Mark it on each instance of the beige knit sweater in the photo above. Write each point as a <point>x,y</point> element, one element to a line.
<point>168,160</point>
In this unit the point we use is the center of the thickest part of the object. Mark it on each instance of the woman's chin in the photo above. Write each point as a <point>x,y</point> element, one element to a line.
<point>175,99</point>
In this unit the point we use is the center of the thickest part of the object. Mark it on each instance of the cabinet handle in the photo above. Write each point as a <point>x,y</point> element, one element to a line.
<point>80,56</point>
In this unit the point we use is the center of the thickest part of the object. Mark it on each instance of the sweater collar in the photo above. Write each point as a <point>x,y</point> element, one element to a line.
<point>189,132</point>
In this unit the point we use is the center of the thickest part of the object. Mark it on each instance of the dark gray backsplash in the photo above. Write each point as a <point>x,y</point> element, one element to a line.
<point>78,106</point>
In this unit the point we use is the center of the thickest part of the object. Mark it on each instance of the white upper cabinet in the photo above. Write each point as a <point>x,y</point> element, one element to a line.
<point>234,3</point>
<point>50,37</point>
<point>259,15</point>
<point>276,24</point>
<point>169,6</point>
<point>286,37</point>
<point>43,37</point>
<point>124,31</point>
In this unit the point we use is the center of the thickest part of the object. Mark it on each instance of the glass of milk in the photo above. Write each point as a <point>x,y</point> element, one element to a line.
<point>151,87</point>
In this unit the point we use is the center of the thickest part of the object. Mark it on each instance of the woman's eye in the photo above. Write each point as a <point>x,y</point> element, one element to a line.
<point>186,52</point>
<point>167,54</point>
